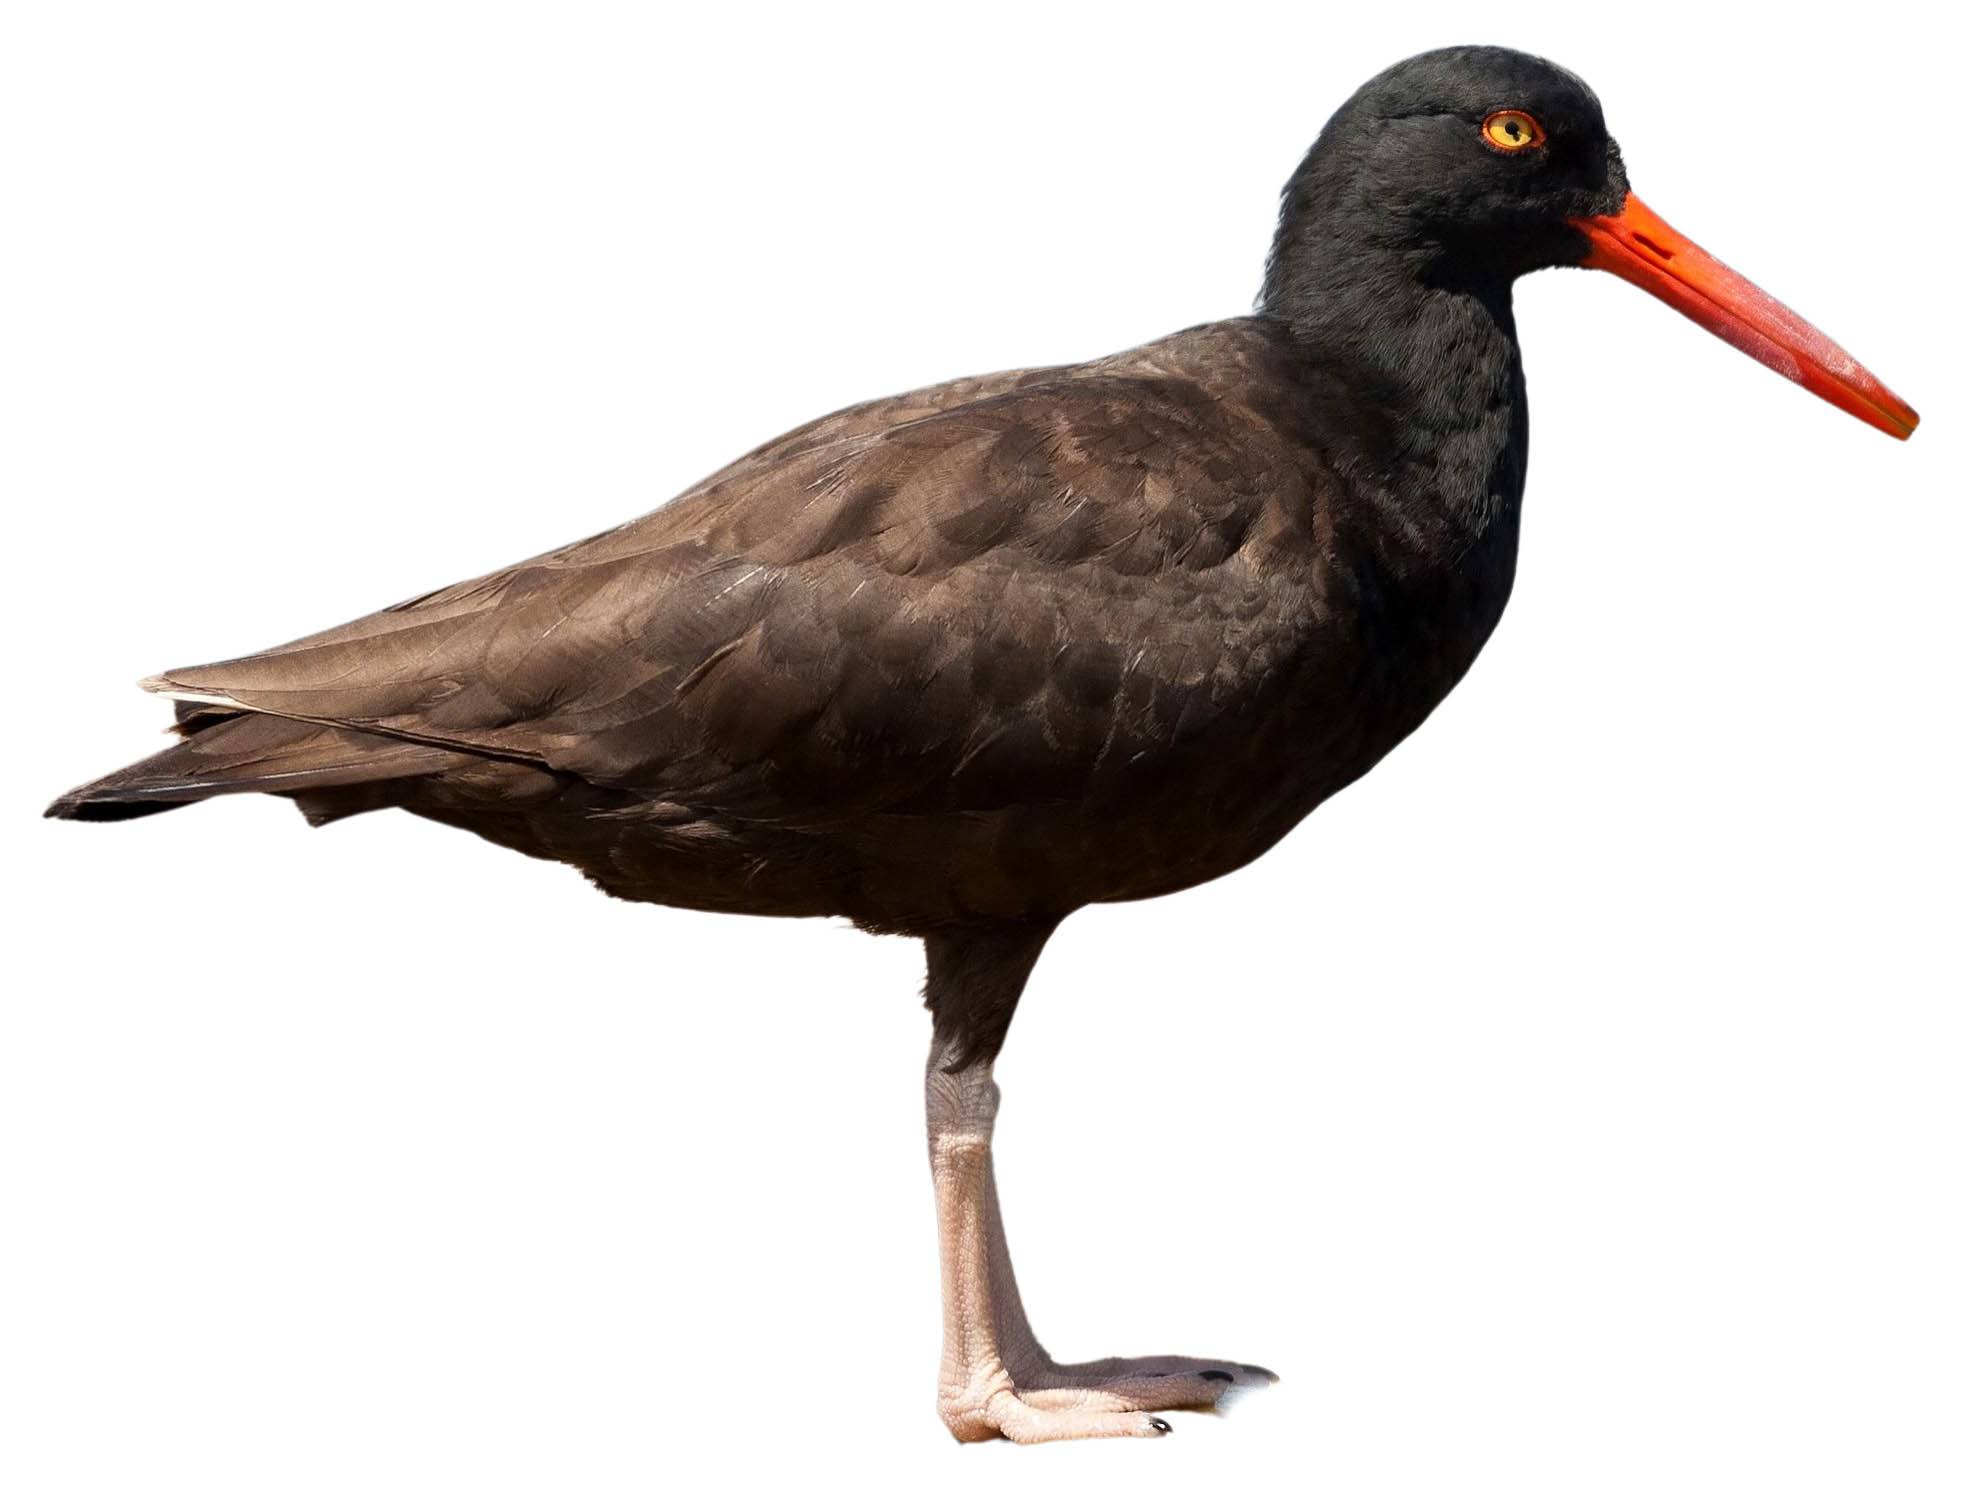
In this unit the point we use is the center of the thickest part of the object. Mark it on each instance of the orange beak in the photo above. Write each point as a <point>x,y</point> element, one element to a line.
<point>1643,249</point>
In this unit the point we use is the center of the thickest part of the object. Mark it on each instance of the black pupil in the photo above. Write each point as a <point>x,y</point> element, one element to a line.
<point>1510,128</point>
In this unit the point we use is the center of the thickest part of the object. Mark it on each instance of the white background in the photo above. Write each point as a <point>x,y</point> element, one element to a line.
<point>1591,1096</point>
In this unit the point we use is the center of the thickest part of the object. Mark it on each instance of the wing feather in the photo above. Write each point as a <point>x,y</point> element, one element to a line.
<point>898,604</point>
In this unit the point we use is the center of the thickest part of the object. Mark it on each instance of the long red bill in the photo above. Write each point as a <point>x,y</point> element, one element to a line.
<point>1643,249</point>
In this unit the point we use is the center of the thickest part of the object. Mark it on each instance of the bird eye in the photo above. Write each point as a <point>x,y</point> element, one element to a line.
<point>1512,130</point>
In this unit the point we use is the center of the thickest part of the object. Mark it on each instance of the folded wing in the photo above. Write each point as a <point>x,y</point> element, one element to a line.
<point>960,594</point>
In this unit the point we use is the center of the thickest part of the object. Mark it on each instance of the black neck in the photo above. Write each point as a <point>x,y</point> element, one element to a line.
<point>1432,349</point>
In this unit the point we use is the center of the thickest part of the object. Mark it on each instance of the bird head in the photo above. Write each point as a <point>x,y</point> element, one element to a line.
<point>1473,165</point>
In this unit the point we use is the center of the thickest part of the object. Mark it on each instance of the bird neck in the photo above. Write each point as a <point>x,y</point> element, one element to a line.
<point>1431,349</point>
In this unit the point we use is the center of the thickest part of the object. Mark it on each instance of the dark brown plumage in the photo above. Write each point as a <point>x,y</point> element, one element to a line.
<point>987,652</point>
<point>958,663</point>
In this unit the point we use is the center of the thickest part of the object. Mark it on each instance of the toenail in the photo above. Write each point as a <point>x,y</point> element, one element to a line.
<point>1162,1425</point>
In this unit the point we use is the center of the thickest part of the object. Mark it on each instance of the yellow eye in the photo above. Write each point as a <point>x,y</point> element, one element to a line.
<point>1511,130</point>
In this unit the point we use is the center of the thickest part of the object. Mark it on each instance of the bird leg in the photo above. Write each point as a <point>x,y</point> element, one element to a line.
<point>994,1378</point>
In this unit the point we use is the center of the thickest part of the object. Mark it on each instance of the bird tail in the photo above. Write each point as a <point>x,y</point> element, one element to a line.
<point>332,772</point>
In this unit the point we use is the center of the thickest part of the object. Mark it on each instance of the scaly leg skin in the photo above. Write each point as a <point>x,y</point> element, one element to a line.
<point>995,1379</point>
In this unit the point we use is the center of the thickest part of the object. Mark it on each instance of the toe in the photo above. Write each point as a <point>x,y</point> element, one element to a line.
<point>1132,1393</point>
<point>1021,1419</point>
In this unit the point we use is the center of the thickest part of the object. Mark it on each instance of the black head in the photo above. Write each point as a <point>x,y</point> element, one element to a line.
<point>1469,159</point>
<point>1450,174</point>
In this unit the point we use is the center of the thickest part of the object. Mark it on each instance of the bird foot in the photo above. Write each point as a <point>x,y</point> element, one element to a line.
<point>1048,1402</point>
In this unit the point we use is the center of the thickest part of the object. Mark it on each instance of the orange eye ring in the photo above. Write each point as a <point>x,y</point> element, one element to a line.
<point>1512,132</point>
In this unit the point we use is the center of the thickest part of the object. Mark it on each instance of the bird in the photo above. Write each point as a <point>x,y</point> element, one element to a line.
<point>955,664</point>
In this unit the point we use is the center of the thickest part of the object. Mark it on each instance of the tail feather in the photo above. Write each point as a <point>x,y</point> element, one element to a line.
<point>189,719</point>
<point>224,755</point>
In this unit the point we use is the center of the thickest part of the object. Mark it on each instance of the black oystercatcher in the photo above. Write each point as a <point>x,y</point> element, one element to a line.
<point>956,664</point>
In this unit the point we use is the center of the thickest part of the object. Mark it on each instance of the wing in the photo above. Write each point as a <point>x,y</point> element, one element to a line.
<point>962,597</point>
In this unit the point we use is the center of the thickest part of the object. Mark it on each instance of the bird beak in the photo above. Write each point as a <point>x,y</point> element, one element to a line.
<point>1643,249</point>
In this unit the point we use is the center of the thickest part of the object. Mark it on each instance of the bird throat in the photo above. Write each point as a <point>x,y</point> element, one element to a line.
<point>1432,354</point>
